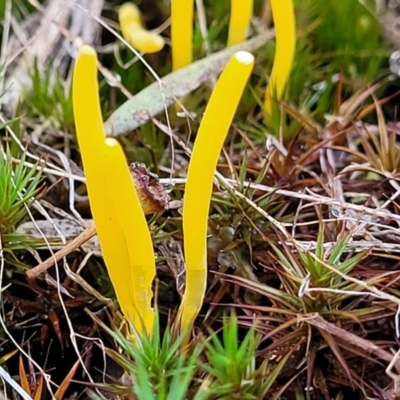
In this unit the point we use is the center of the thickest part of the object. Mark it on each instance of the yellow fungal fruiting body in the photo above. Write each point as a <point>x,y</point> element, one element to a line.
<point>134,32</point>
<point>285,33</point>
<point>181,33</point>
<point>89,129</point>
<point>143,40</point>
<point>129,14</point>
<point>138,242</point>
<point>214,127</point>
<point>241,12</point>
<point>114,230</point>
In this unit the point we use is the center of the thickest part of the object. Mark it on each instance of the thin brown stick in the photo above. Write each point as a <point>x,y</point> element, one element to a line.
<point>369,347</point>
<point>87,234</point>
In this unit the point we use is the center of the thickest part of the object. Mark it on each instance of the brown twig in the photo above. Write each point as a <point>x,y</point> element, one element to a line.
<point>87,234</point>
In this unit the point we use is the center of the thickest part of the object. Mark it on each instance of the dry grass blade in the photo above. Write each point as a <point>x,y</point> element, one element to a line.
<point>348,337</point>
<point>350,106</point>
<point>8,356</point>
<point>59,394</point>
<point>39,389</point>
<point>23,376</point>
<point>336,351</point>
<point>308,123</point>
<point>383,133</point>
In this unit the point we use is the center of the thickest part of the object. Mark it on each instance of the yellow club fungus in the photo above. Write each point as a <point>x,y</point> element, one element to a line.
<point>241,12</point>
<point>131,217</point>
<point>181,33</point>
<point>94,153</point>
<point>214,127</point>
<point>285,33</point>
<point>90,135</point>
<point>134,32</point>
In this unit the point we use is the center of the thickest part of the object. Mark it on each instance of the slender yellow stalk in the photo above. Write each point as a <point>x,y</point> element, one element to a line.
<point>241,12</point>
<point>285,33</point>
<point>135,33</point>
<point>207,148</point>
<point>181,33</point>
<point>90,134</point>
<point>141,267</point>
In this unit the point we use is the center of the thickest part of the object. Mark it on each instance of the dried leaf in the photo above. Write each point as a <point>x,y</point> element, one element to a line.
<point>151,194</point>
<point>154,98</point>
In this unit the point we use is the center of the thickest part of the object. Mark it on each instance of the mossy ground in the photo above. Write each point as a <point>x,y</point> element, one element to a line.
<point>303,247</point>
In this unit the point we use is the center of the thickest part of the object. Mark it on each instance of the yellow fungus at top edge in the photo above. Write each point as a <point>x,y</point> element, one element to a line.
<point>239,22</point>
<point>144,41</point>
<point>285,33</point>
<point>181,33</point>
<point>129,14</point>
<point>210,138</point>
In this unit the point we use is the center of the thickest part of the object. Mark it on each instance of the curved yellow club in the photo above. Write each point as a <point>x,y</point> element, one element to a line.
<point>135,33</point>
<point>210,138</point>
<point>181,33</point>
<point>241,12</point>
<point>119,219</point>
<point>285,34</point>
